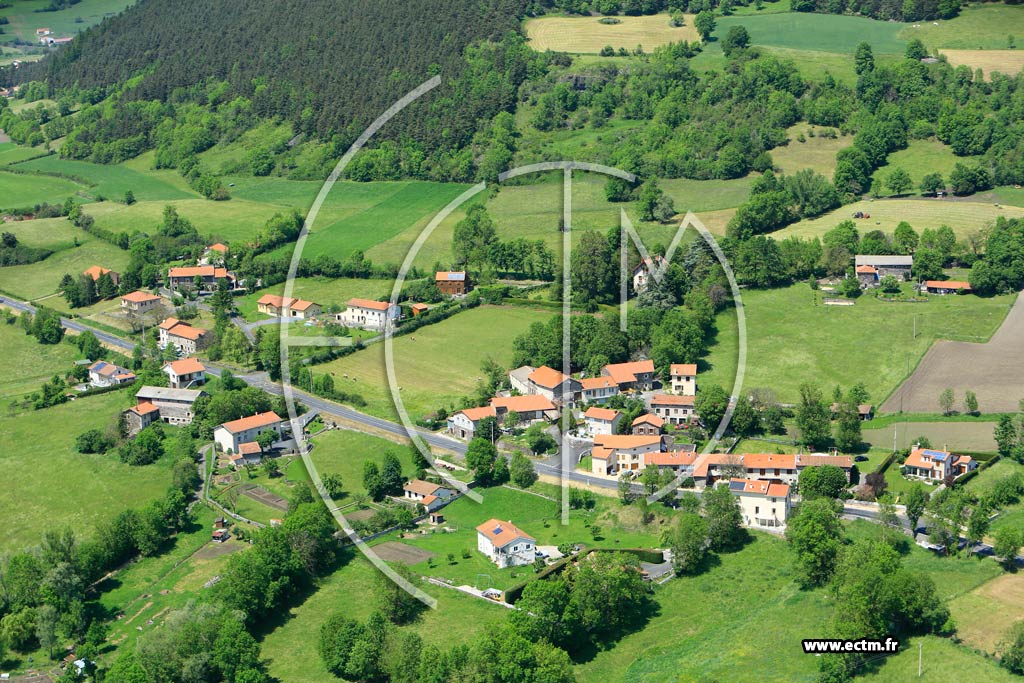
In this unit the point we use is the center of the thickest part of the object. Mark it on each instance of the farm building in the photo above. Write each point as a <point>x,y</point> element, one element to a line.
<point>947,287</point>
<point>868,275</point>
<point>638,375</point>
<point>602,420</point>
<point>140,416</point>
<point>684,378</point>
<point>934,465</point>
<point>464,423</point>
<point>104,374</point>
<point>452,283</point>
<point>897,266</point>
<point>231,435</point>
<point>504,544</point>
<point>762,503</point>
<point>419,309</point>
<point>175,405</point>
<point>680,461</point>
<point>865,411</point>
<point>369,315</point>
<point>185,373</point>
<point>279,306</point>
<point>185,277</point>
<point>530,407</point>
<point>139,302</point>
<point>187,340</point>
<point>548,382</point>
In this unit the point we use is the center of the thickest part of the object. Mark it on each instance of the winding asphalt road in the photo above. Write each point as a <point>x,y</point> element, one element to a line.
<point>260,380</point>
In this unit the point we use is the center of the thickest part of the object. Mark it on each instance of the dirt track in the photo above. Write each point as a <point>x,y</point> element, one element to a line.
<point>993,370</point>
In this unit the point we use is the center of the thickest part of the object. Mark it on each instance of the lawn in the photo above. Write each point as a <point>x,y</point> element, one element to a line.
<point>113,180</point>
<point>429,371</point>
<point>964,217</point>
<point>787,329</point>
<point>291,648</point>
<point>817,153</point>
<point>920,158</point>
<point>979,27</point>
<point>986,479</point>
<point>11,153</point>
<point>20,190</point>
<point>49,485</point>
<point>588,35</point>
<point>28,364</point>
<point>323,291</point>
<point>41,279</point>
<point>343,452</point>
<point>817,32</point>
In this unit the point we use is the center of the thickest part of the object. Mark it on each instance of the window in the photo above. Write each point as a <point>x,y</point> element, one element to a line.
<point>757,509</point>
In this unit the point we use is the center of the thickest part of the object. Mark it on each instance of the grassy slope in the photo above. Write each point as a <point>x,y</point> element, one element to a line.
<point>11,153</point>
<point>24,191</point>
<point>816,153</point>
<point>25,18</point>
<point>793,338</point>
<point>49,484</point>
<point>28,364</point>
<point>343,452</point>
<point>817,32</point>
<point>112,181</point>
<point>920,158</point>
<point>43,278</point>
<point>588,35</point>
<point>435,365</point>
<point>978,27</point>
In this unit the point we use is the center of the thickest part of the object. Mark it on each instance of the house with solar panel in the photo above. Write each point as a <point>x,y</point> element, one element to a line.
<point>504,544</point>
<point>104,374</point>
<point>452,283</point>
<point>934,465</point>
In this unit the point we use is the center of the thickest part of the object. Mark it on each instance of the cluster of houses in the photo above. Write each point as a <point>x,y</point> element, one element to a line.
<point>870,269</point>
<point>47,37</point>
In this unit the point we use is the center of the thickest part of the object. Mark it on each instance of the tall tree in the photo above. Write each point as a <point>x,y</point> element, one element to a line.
<point>816,535</point>
<point>812,417</point>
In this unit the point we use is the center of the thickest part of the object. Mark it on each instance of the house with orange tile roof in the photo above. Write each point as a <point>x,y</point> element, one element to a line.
<point>140,416</point>
<point>647,425</point>
<point>215,253</point>
<point>680,461</point>
<point>763,504</point>
<point>629,449</point>
<point>636,375</point>
<point>463,423</point>
<point>674,408</point>
<point>175,405</point>
<point>187,340</point>
<point>282,307</point>
<point>602,420</point>
<point>557,387</point>
<point>138,302</point>
<point>935,465</point>
<point>249,453</point>
<point>597,389</point>
<point>452,283</point>
<point>868,275</point>
<point>947,287</point>
<point>505,544</point>
<point>184,277</point>
<point>785,468</point>
<point>367,314</point>
<point>231,435</point>
<point>419,309</point>
<point>186,373</point>
<point>431,496</point>
<point>683,378</point>
<point>603,460</point>
<point>96,271</point>
<point>104,374</point>
<point>529,408</point>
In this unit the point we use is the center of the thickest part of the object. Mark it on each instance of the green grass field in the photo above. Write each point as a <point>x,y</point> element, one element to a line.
<point>23,190</point>
<point>113,180</point>
<point>816,153</point>
<point>985,615</point>
<point>793,338</point>
<point>920,158</point>
<point>50,485</point>
<point>28,364</point>
<point>817,32</point>
<point>987,478</point>
<point>436,365</point>
<point>41,279</point>
<point>964,217</point>
<point>11,153</point>
<point>343,452</point>
<point>981,26</point>
<point>943,662</point>
<point>237,220</point>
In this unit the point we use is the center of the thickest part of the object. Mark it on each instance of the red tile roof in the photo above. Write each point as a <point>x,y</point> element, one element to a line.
<point>648,418</point>
<point>523,404</point>
<point>764,488</point>
<point>169,323</point>
<point>624,373</point>
<point>201,271</point>
<point>185,366</point>
<point>606,414</point>
<point>186,331</point>
<point>253,421</point>
<point>370,304</point>
<point>95,271</point>
<point>867,270</point>
<point>546,377</point>
<point>672,400</point>
<point>817,459</point>
<point>476,414</point>
<point>948,284</point>
<point>689,369</point>
<point>591,383</point>
<point>249,448</point>
<point>754,461</point>
<point>222,248</point>
<point>280,302</point>
<point>144,408</point>
<point>601,453</point>
<point>501,533</point>
<point>140,297</point>
<point>673,459</point>
<point>424,488</point>
<point>618,441</point>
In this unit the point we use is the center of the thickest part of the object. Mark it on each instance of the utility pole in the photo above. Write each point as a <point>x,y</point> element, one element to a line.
<point>920,655</point>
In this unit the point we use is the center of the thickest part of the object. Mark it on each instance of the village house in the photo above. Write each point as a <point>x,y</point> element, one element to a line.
<point>629,450</point>
<point>647,425</point>
<point>684,378</point>
<point>867,275</point>
<point>762,503</point>
<point>249,453</point>
<point>602,420</point>
<point>186,339</point>
<point>140,416</point>
<point>185,373</point>
<point>280,307</point>
<point>175,405</point>
<point>597,389</point>
<point>785,468</point>
<point>215,254</point>
<point>504,544</point>
<point>680,461</point>
<point>104,374</point>
<point>897,266</point>
<point>430,496</point>
<point>139,302</point>
<point>602,460</point>
<point>865,411</point>
<point>184,277</point>
<point>230,435</point>
<point>637,375</point>
<point>643,273</point>
<point>674,409</point>
<point>96,271</point>
<point>529,408</point>
<point>555,386</point>
<point>452,283</point>
<point>947,287</point>
<point>370,315</point>
<point>934,465</point>
<point>464,423</point>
